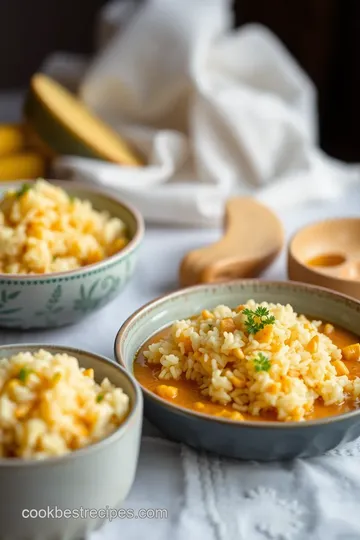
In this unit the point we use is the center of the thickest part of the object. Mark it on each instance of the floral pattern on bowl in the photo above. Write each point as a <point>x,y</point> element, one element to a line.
<point>50,300</point>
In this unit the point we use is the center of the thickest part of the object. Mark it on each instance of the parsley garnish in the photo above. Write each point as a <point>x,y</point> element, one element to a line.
<point>262,363</point>
<point>24,189</point>
<point>56,377</point>
<point>71,198</point>
<point>24,373</point>
<point>99,398</point>
<point>258,319</point>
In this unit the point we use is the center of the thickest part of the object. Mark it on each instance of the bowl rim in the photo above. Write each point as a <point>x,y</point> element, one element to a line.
<point>93,447</point>
<point>312,269</point>
<point>177,409</point>
<point>101,265</point>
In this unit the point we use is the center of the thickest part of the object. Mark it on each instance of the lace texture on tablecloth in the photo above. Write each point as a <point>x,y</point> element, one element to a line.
<point>313,499</point>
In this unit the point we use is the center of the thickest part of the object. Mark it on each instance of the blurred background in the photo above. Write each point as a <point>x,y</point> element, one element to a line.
<point>323,35</point>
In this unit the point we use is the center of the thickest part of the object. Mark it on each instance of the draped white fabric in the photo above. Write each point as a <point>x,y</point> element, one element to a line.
<point>215,111</point>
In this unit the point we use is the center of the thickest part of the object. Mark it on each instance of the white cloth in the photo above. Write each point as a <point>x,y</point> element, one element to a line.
<point>217,112</point>
<point>313,499</point>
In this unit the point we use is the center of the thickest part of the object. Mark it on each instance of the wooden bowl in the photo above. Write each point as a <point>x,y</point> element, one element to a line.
<point>327,253</point>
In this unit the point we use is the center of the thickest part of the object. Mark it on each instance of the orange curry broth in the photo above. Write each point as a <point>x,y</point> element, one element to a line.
<point>189,393</point>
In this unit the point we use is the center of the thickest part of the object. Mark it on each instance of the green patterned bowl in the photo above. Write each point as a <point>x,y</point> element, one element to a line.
<point>58,299</point>
<point>264,441</point>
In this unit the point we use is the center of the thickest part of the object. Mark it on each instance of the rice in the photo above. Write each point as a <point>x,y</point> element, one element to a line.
<point>285,366</point>
<point>49,406</point>
<point>44,230</point>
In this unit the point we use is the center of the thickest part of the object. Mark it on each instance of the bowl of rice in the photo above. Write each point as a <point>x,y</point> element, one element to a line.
<point>249,369</point>
<point>66,250</point>
<point>70,427</point>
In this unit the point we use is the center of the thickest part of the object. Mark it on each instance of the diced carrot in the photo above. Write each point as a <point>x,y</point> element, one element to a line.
<point>265,335</point>
<point>313,345</point>
<point>227,325</point>
<point>206,314</point>
<point>166,391</point>
<point>340,367</point>
<point>352,352</point>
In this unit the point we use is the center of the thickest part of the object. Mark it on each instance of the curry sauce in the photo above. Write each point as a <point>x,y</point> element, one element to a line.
<point>189,394</point>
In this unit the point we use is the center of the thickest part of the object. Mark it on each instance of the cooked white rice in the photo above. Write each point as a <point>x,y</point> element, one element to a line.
<point>284,367</point>
<point>43,230</point>
<point>49,406</point>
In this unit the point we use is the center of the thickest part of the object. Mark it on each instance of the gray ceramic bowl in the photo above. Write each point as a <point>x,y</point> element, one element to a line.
<point>246,440</point>
<point>95,477</point>
<point>49,300</point>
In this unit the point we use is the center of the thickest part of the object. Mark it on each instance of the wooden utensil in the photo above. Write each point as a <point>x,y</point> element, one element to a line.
<point>252,239</point>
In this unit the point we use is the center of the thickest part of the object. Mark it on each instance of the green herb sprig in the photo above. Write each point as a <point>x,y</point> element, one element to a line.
<point>23,374</point>
<point>99,398</point>
<point>24,189</point>
<point>258,319</point>
<point>262,363</point>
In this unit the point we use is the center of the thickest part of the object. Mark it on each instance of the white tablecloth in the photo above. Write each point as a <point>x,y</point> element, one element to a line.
<point>208,497</point>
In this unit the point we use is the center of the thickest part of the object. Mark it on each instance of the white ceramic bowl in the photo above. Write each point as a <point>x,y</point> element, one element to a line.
<point>94,477</point>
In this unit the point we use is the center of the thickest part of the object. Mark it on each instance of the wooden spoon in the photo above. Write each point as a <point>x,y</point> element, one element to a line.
<point>252,239</point>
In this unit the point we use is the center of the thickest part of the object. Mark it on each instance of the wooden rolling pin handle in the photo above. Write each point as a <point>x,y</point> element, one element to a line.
<point>253,237</point>
<point>226,270</point>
